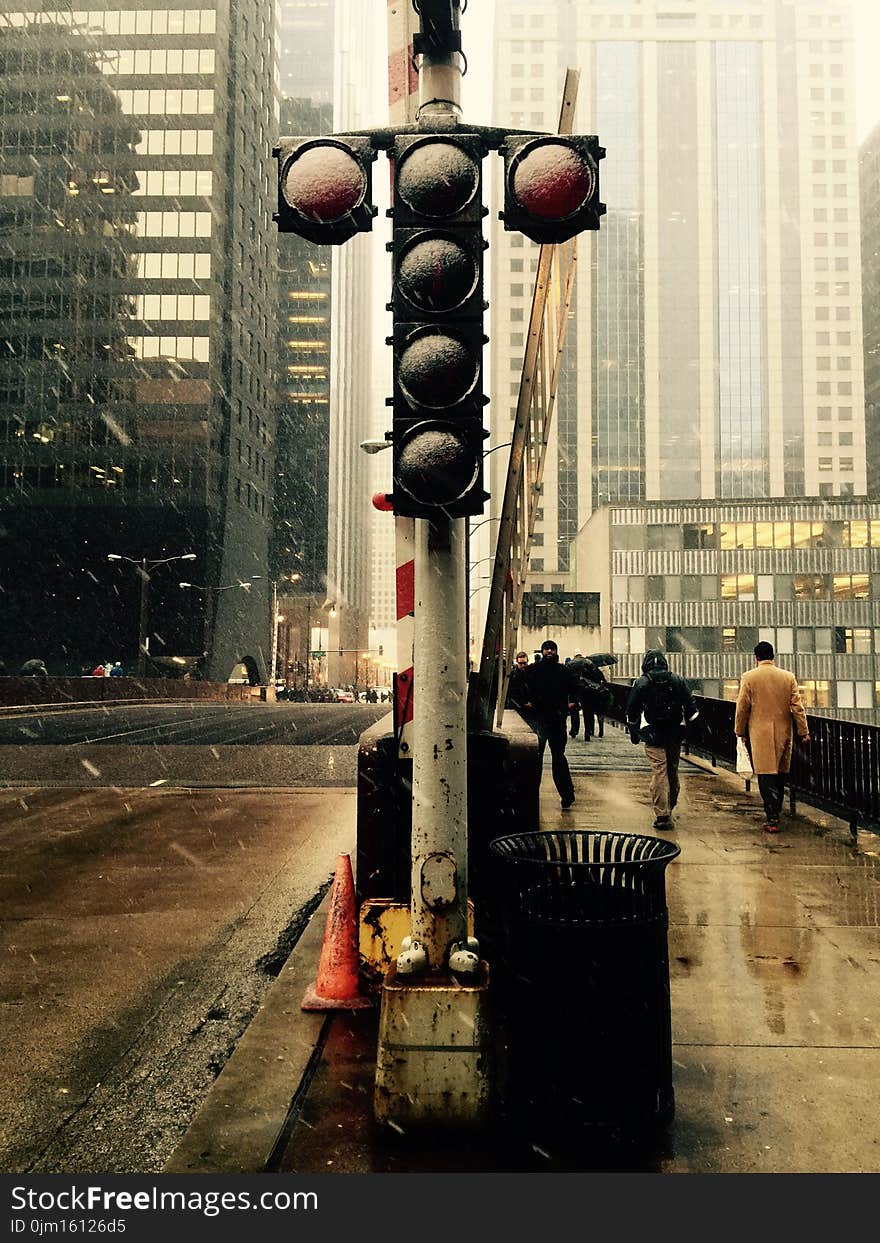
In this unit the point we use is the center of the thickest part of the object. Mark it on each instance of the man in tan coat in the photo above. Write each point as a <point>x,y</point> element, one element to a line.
<point>768,699</point>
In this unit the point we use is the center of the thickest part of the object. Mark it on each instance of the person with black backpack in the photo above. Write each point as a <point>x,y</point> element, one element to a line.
<point>659,707</point>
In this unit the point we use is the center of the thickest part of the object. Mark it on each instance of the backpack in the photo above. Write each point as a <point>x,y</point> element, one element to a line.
<point>662,701</point>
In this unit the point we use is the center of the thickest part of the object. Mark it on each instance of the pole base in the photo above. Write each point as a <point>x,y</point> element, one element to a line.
<point>434,1061</point>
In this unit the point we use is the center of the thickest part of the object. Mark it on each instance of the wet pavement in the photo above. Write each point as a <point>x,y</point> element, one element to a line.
<point>775,980</point>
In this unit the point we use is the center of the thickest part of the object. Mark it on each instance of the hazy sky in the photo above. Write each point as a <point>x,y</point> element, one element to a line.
<point>867,31</point>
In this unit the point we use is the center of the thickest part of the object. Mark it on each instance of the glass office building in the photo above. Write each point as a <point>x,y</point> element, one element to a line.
<point>705,582</point>
<point>715,347</point>
<point>137,277</point>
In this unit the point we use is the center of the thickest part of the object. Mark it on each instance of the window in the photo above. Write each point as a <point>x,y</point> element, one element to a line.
<point>815,694</point>
<point>737,586</point>
<point>737,535</point>
<point>808,534</point>
<point>851,587</point>
<point>664,536</point>
<point>852,640</point>
<point>699,535</point>
<point>655,587</point>
<point>855,534</point>
<point>811,587</point>
<point>730,689</point>
<point>620,639</point>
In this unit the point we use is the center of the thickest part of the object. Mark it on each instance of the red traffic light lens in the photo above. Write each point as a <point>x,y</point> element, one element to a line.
<point>437,370</point>
<point>324,183</point>
<point>436,466</point>
<point>552,180</point>
<point>437,274</point>
<point>437,178</point>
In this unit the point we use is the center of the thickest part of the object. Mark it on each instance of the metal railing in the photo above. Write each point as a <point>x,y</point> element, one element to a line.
<point>839,772</point>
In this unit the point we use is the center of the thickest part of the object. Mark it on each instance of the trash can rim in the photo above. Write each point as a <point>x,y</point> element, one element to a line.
<point>670,850</point>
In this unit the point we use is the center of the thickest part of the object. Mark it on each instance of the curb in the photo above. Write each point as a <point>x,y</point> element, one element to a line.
<point>244,1117</point>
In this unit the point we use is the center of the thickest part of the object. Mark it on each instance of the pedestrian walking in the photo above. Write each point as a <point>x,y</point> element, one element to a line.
<point>550,688</point>
<point>590,699</point>
<point>116,670</point>
<point>659,707</point>
<point>98,672</point>
<point>518,686</point>
<point>768,699</point>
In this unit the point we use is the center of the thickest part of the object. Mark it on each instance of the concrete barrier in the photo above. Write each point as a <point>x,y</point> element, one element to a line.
<point>39,692</point>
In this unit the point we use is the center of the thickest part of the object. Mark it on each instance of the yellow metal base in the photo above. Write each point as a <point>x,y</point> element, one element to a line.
<point>434,1061</point>
<point>382,925</point>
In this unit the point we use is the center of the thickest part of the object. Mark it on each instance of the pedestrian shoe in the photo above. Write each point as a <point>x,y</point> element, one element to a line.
<point>663,822</point>
<point>567,802</point>
<point>771,827</point>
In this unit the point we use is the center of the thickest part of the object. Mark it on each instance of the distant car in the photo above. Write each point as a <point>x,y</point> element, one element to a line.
<point>344,697</point>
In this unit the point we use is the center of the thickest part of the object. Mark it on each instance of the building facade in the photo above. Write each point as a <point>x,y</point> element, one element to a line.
<point>330,75</point>
<point>869,177</point>
<point>706,581</point>
<point>137,276</point>
<point>715,344</point>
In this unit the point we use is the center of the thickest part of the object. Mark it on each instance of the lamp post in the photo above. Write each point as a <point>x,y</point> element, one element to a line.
<point>143,567</point>
<point>211,592</point>
<point>277,619</point>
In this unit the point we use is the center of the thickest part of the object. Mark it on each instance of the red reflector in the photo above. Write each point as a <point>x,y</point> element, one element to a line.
<point>552,181</point>
<point>383,502</point>
<point>324,183</point>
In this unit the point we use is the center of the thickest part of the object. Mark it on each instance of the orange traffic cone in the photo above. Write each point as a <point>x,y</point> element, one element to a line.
<point>336,986</point>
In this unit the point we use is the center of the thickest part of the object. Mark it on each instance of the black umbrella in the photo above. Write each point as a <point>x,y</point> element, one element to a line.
<point>603,658</point>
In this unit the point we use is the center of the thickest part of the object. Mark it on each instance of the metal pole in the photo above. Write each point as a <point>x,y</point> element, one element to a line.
<point>439,820</point>
<point>142,627</point>
<point>274,661</point>
<point>308,642</point>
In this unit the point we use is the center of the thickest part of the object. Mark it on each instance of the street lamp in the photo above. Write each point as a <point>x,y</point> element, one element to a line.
<point>375,446</point>
<point>143,567</point>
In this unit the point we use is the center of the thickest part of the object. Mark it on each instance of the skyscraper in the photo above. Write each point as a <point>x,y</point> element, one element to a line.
<point>136,285</point>
<point>714,349</point>
<point>870,214</point>
<point>329,80</point>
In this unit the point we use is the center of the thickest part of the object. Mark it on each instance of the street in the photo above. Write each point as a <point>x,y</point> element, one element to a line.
<point>214,724</point>
<point>218,746</point>
<point>142,927</point>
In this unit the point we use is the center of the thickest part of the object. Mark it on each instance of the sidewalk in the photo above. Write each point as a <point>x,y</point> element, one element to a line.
<point>775,974</point>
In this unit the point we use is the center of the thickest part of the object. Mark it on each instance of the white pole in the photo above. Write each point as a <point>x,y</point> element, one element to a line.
<point>274,662</point>
<point>439,812</point>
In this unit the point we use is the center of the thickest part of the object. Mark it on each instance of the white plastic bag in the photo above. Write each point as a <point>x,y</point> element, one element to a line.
<point>743,759</point>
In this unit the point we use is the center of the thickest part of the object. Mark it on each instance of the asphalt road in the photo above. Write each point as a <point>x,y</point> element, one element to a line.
<point>140,927</point>
<point>140,930</point>
<point>192,724</point>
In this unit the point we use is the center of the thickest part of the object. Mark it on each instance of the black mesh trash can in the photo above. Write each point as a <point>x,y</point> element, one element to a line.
<point>586,979</point>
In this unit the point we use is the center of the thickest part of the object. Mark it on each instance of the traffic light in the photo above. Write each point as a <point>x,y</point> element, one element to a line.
<point>437,301</point>
<point>551,186</point>
<point>325,187</point>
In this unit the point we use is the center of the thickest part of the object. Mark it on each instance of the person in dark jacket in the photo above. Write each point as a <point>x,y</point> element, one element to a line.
<point>518,686</point>
<point>551,687</point>
<point>658,708</point>
<point>590,698</point>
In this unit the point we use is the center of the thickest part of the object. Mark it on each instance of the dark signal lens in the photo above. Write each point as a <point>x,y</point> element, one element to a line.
<point>437,179</point>
<point>553,180</point>
<point>324,183</point>
<point>437,370</point>
<point>437,274</point>
<point>436,466</point>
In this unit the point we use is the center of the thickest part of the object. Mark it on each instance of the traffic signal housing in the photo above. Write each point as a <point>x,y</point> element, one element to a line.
<point>437,300</point>
<point>325,187</point>
<point>551,186</point>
